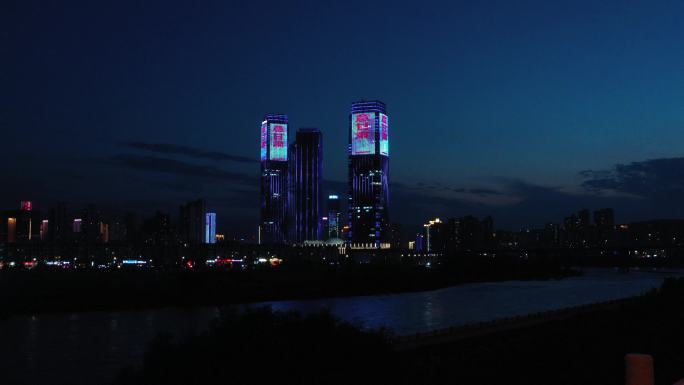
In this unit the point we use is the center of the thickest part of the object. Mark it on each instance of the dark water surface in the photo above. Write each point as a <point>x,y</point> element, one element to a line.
<point>90,348</point>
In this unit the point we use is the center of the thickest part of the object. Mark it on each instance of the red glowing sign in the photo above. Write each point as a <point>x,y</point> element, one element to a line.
<point>278,141</point>
<point>26,205</point>
<point>363,123</point>
<point>363,134</point>
<point>278,136</point>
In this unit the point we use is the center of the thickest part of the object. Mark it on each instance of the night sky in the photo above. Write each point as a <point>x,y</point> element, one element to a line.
<point>524,110</point>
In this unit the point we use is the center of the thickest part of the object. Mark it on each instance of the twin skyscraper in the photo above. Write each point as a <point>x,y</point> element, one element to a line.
<point>292,177</point>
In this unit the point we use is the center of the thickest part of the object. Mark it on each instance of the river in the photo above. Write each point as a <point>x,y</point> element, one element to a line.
<point>90,348</point>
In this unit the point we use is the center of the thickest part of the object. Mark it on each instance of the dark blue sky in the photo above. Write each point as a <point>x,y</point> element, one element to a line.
<point>525,110</point>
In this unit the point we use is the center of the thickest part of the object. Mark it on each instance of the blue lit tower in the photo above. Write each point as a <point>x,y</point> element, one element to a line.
<point>274,188</point>
<point>368,174</point>
<point>306,174</point>
<point>210,228</point>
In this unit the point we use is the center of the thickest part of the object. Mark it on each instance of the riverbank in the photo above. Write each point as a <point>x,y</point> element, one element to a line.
<point>579,347</point>
<point>54,291</point>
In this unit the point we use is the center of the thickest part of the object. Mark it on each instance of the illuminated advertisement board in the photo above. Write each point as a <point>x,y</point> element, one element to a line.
<point>279,141</point>
<point>363,133</point>
<point>264,140</point>
<point>384,135</point>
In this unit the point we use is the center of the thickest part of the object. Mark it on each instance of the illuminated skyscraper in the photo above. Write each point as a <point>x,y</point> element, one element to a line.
<point>368,174</point>
<point>306,173</point>
<point>24,222</point>
<point>210,228</point>
<point>333,216</point>
<point>11,230</point>
<point>274,177</point>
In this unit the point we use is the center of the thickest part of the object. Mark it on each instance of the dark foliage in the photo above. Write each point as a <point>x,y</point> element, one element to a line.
<point>260,346</point>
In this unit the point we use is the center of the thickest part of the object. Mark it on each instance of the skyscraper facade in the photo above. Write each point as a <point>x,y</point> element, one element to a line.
<point>368,150</point>
<point>58,229</point>
<point>435,235</point>
<point>604,218</point>
<point>274,179</point>
<point>210,228</point>
<point>11,230</point>
<point>333,216</point>
<point>306,174</point>
<point>192,222</point>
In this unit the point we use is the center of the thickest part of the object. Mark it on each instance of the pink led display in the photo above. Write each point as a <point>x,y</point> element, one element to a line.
<point>363,133</point>
<point>278,141</point>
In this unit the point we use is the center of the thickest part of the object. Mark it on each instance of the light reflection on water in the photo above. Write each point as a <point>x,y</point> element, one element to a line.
<point>90,348</point>
<point>410,313</point>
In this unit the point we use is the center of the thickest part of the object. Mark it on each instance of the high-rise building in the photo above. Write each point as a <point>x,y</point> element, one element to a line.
<point>210,228</point>
<point>420,243</point>
<point>22,222</point>
<point>11,230</point>
<point>306,173</point>
<point>604,218</point>
<point>158,231</point>
<point>44,228</point>
<point>368,209</point>
<point>274,178</point>
<point>91,224</point>
<point>395,236</point>
<point>192,222</point>
<point>59,223</point>
<point>583,218</point>
<point>77,225</point>
<point>325,228</point>
<point>117,230</point>
<point>104,232</point>
<point>435,235</point>
<point>333,216</point>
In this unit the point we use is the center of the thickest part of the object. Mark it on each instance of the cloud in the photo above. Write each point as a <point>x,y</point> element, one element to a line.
<point>661,178</point>
<point>193,152</point>
<point>476,191</point>
<point>177,167</point>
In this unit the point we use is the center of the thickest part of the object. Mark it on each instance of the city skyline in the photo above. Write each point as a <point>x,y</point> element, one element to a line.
<point>359,191</point>
<point>528,119</point>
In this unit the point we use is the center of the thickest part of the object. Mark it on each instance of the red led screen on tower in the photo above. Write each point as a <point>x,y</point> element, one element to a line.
<point>278,141</point>
<point>363,133</point>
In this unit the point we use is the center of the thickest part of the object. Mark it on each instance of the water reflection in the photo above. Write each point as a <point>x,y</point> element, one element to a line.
<point>90,348</point>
